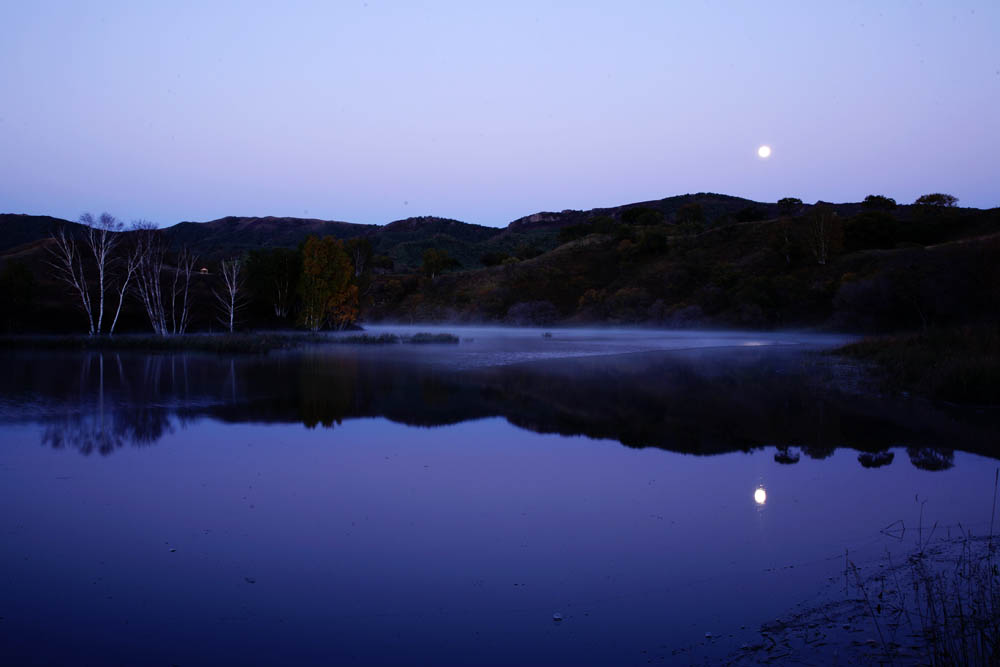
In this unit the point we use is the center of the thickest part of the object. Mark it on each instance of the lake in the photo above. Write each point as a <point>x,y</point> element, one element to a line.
<point>592,497</point>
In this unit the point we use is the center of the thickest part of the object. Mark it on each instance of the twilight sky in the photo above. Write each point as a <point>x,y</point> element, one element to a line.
<point>374,111</point>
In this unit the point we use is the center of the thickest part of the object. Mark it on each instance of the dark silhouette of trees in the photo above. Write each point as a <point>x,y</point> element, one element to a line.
<point>17,294</point>
<point>750,214</point>
<point>783,236</point>
<point>495,258</point>
<point>574,232</point>
<point>789,205</point>
<point>436,261</point>
<point>873,228</point>
<point>642,215</point>
<point>383,263</point>
<point>691,213</point>
<point>937,199</point>
<point>879,202</point>
<point>273,279</point>
<point>824,232</point>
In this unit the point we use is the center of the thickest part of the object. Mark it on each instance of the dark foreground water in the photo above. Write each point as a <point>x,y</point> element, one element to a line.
<point>440,504</point>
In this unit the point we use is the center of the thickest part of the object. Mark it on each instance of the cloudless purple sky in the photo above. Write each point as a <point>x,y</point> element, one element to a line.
<point>374,111</point>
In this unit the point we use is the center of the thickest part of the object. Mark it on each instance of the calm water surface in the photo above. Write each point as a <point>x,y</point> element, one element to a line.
<point>439,504</point>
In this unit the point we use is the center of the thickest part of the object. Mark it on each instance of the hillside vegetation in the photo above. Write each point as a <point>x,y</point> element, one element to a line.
<point>870,270</point>
<point>691,260</point>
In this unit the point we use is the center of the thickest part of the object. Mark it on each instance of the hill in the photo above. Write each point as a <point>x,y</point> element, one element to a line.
<point>876,270</point>
<point>17,229</point>
<point>696,259</point>
<point>233,235</point>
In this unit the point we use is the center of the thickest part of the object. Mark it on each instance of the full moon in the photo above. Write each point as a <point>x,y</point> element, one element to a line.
<point>760,496</point>
<point>764,152</point>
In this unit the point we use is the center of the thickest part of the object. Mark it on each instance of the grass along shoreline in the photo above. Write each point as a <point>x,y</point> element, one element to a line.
<point>222,343</point>
<point>958,365</point>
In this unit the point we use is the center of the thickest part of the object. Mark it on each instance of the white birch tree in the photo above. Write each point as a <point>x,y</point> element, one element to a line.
<point>230,298</point>
<point>825,233</point>
<point>68,266</point>
<point>180,291</point>
<point>71,257</point>
<point>152,251</point>
<point>125,275</point>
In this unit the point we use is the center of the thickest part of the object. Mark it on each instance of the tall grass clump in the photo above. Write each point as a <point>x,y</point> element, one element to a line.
<point>960,364</point>
<point>948,595</point>
<point>959,608</point>
<point>432,338</point>
<point>368,339</point>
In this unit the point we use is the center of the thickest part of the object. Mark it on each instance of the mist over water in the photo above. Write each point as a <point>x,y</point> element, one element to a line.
<point>493,346</point>
<point>360,504</point>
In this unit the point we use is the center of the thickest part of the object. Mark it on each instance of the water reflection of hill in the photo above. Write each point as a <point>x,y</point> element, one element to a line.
<point>700,402</point>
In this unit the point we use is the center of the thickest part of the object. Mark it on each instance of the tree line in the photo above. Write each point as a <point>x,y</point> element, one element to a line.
<point>106,268</point>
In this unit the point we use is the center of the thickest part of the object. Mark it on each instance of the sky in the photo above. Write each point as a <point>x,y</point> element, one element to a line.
<point>375,111</point>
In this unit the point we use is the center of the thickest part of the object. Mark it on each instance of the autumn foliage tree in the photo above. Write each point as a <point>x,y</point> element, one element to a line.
<point>328,294</point>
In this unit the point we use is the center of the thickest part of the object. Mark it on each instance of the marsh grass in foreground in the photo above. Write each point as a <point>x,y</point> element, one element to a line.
<point>959,364</point>
<point>937,605</point>
<point>946,596</point>
<point>957,603</point>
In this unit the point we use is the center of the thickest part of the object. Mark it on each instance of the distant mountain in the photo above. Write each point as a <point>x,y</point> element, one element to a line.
<point>405,240</point>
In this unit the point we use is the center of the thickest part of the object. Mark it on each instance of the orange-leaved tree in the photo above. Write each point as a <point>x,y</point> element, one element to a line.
<point>329,297</point>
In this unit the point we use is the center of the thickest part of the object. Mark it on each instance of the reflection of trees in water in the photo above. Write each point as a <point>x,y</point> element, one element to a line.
<point>108,430</point>
<point>785,456</point>
<point>926,458</point>
<point>692,403</point>
<point>104,423</point>
<point>931,458</point>
<point>82,433</point>
<point>327,392</point>
<point>876,459</point>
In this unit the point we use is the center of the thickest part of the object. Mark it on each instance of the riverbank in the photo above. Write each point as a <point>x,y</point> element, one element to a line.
<point>958,365</point>
<point>235,343</point>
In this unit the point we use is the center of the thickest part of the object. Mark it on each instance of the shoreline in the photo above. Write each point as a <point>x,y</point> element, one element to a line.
<point>958,366</point>
<point>221,343</point>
